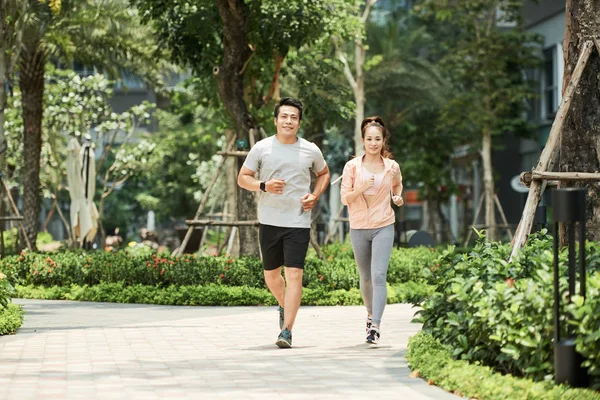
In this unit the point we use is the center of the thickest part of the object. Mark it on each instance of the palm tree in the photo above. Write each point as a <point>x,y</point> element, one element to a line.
<point>103,33</point>
<point>402,76</point>
<point>13,15</point>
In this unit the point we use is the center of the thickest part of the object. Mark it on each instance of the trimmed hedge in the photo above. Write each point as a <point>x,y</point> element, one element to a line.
<point>139,266</point>
<point>433,361</point>
<point>11,318</point>
<point>210,295</point>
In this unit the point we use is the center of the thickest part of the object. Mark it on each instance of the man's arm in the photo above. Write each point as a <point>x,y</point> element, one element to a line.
<point>247,181</point>
<point>322,182</point>
<point>309,200</point>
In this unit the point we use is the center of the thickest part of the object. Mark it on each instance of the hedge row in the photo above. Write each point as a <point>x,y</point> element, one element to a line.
<point>431,360</point>
<point>210,295</point>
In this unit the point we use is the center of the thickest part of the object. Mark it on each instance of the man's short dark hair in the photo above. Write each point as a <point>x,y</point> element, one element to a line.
<point>289,101</point>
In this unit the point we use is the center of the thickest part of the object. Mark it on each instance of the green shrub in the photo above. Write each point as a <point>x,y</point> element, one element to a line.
<point>6,290</point>
<point>501,314</point>
<point>137,265</point>
<point>11,235</point>
<point>433,361</point>
<point>11,318</point>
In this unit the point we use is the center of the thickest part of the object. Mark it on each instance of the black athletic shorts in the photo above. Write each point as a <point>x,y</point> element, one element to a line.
<point>283,246</point>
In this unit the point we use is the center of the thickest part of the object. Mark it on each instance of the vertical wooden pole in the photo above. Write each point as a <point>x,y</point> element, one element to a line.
<point>537,186</point>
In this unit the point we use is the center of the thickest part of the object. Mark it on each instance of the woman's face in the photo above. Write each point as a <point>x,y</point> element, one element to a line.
<point>373,140</point>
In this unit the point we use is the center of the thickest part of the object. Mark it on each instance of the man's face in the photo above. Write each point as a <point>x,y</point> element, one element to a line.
<point>288,121</point>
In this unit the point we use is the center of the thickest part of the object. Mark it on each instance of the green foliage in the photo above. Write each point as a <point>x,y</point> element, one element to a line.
<point>6,291</point>
<point>195,295</point>
<point>485,63</point>
<point>181,165</point>
<point>11,319</point>
<point>140,265</point>
<point>11,237</point>
<point>193,29</point>
<point>500,314</point>
<point>433,361</point>
<point>73,105</point>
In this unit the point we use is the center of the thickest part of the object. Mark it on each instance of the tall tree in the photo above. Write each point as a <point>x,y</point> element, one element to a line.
<point>103,34</point>
<point>243,44</point>
<point>580,137</point>
<point>356,77</point>
<point>485,61</point>
<point>13,15</point>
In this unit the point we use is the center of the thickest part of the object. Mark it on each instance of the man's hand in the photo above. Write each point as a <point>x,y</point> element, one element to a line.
<point>308,201</point>
<point>275,185</point>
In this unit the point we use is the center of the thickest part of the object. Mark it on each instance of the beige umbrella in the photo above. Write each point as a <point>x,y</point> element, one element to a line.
<point>88,174</point>
<point>81,219</point>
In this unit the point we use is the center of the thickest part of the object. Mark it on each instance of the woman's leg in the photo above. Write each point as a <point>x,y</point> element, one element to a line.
<point>361,244</point>
<point>383,242</point>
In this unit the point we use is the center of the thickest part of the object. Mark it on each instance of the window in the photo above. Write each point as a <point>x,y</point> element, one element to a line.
<point>549,82</point>
<point>129,81</point>
<point>82,69</point>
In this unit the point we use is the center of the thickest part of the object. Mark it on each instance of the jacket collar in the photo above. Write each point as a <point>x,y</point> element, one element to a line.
<point>387,163</point>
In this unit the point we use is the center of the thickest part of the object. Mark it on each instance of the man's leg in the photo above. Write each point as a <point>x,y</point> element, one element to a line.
<point>295,246</point>
<point>271,246</point>
<point>293,295</point>
<point>276,284</point>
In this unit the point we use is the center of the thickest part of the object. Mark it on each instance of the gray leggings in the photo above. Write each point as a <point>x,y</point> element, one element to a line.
<point>372,251</point>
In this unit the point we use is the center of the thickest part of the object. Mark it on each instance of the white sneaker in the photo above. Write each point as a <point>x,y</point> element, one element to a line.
<point>373,336</point>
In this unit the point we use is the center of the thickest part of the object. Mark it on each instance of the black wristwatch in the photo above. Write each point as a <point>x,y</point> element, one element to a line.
<point>263,187</point>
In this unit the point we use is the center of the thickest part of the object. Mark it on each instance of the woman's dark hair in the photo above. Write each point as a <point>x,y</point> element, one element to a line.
<point>378,123</point>
<point>289,101</point>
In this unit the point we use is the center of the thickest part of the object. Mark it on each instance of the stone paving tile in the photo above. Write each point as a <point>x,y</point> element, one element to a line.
<point>72,350</point>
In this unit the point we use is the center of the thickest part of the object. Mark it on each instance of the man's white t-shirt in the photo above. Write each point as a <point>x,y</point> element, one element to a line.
<point>292,162</point>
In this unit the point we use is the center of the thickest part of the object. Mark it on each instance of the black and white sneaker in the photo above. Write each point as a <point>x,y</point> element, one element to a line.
<point>369,323</point>
<point>373,336</point>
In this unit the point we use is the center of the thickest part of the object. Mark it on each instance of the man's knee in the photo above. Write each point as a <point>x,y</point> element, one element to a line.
<point>272,274</point>
<point>293,274</point>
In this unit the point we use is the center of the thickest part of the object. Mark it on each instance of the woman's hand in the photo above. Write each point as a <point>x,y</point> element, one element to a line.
<point>398,200</point>
<point>366,184</point>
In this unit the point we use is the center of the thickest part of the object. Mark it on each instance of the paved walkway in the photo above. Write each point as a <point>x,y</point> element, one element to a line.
<point>73,350</point>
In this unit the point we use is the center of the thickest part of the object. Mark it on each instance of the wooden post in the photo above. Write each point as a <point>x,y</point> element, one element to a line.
<point>2,222</point>
<point>566,176</point>
<point>49,216</point>
<point>538,186</point>
<point>205,231</point>
<point>179,251</point>
<point>475,217</point>
<point>503,216</point>
<point>334,226</point>
<point>16,211</point>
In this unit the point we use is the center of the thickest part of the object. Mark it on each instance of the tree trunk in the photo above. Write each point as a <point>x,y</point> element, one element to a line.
<point>580,139</point>
<point>359,96</point>
<point>359,99</point>
<point>31,82</point>
<point>230,83</point>
<point>3,100</point>
<point>488,185</point>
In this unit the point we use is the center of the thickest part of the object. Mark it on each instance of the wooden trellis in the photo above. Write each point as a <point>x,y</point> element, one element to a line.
<point>196,221</point>
<point>15,217</point>
<point>539,177</point>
